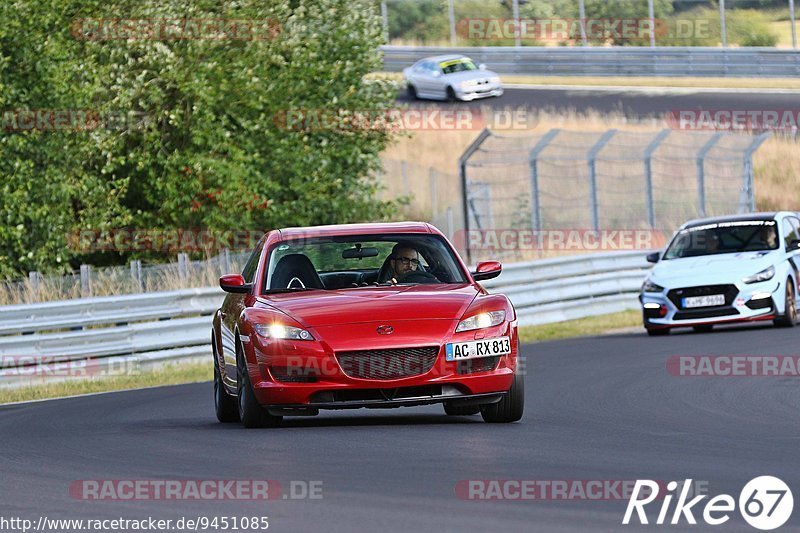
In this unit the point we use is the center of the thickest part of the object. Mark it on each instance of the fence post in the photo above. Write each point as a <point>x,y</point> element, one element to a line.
<point>183,266</point>
<point>582,17</point>
<point>701,172</point>
<point>592,157</point>
<point>225,261</point>
<point>385,18</point>
<point>748,201</point>
<point>434,195</point>
<point>648,175</point>
<point>136,274</point>
<point>86,281</point>
<point>35,279</point>
<point>462,169</point>
<point>533,161</point>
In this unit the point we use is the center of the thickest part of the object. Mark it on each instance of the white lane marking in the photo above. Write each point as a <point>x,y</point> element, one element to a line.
<point>646,89</point>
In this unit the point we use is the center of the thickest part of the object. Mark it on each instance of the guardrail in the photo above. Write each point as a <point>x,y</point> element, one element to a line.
<point>155,328</point>
<point>613,61</point>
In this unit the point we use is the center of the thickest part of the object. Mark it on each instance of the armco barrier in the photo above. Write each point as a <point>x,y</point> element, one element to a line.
<point>613,61</point>
<point>152,329</point>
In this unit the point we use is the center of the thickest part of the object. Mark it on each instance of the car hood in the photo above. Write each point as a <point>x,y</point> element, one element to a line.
<point>723,267</point>
<point>468,75</point>
<point>349,306</point>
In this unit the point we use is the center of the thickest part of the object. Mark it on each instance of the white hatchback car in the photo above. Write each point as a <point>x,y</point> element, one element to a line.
<point>722,270</point>
<point>451,77</point>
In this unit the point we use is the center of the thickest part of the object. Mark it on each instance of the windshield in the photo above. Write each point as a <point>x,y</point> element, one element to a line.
<point>351,262</point>
<point>458,65</point>
<point>724,238</point>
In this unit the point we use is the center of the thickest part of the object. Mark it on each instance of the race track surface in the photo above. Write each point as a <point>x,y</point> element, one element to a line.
<point>596,409</point>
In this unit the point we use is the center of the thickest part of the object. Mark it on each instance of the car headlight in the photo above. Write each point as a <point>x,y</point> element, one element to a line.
<point>279,331</point>
<point>482,320</point>
<point>649,286</point>
<point>765,275</point>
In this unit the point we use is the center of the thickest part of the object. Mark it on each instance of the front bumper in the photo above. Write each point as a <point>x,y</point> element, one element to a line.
<point>318,381</point>
<point>743,303</point>
<point>468,95</point>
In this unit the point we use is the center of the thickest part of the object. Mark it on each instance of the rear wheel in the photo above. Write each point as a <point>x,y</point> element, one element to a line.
<point>251,413</point>
<point>510,408</point>
<point>789,317</point>
<point>461,410</point>
<point>657,332</point>
<point>412,92</point>
<point>703,329</point>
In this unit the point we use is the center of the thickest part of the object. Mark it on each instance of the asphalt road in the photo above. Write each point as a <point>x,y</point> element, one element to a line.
<point>631,102</point>
<point>596,409</point>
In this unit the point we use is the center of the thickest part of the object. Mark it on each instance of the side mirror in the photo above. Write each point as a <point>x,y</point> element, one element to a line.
<point>482,66</point>
<point>794,245</point>
<point>654,257</point>
<point>234,283</point>
<point>487,270</point>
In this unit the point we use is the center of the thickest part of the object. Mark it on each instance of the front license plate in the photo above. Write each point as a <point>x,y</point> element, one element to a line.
<point>458,351</point>
<point>704,301</point>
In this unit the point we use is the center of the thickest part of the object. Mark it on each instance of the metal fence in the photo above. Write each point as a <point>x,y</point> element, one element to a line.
<point>610,180</point>
<point>137,331</point>
<point>613,61</point>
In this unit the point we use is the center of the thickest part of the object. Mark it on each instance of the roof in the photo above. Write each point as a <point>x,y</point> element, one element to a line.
<point>356,229</point>
<point>447,57</point>
<point>731,218</point>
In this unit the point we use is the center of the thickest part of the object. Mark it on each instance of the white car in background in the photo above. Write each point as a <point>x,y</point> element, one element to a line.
<point>722,270</point>
<point>451,77</point>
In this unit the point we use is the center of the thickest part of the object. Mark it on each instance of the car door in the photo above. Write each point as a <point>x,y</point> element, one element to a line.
<point>231,308</point>
<point>430,82</point>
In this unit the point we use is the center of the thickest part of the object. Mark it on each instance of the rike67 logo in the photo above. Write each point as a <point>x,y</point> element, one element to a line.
<point>765,503</point>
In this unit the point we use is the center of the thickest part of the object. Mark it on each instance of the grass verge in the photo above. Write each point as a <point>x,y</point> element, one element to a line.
<point>595,325</point>
<point>173,374</point>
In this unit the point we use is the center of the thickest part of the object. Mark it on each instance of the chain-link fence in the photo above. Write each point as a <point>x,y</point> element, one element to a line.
<point>611,180</point>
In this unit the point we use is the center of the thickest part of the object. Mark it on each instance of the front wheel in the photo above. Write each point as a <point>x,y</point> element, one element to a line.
<point>252,414</point>
<point>789,317</point>
<point>510,408</point>
<point>412,92</point>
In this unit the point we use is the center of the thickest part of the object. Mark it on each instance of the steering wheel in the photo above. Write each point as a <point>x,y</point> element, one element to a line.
<point>420,277</point>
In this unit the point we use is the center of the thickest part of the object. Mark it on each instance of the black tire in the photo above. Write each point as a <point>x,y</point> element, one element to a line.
<point>451,94</point>
<point>657,332</point>
<point>510,408</point>
<point>789,317</point>
<point>224,404</point>
<point>251,413</point>
<point>703,328</point>
<point>461,410</point>
<point>412,92</point>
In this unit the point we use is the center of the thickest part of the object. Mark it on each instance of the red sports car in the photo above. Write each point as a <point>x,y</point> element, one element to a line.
<point>363,315</point>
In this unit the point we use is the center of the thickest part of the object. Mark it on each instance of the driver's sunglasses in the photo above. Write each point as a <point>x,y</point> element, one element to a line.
<point>408,261</point>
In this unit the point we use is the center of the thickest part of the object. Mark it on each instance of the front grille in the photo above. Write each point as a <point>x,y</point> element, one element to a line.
<point>393,363</point>
<point>483,364</point>
<point>676,296</point>
<point>763,303</point>
<point>706,312</point>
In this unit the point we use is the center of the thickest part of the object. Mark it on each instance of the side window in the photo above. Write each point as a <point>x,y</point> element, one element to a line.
<point>796,229</point>
<point>251,266</point>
